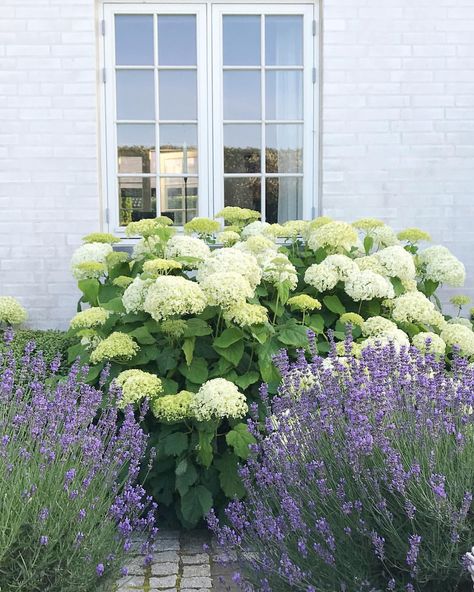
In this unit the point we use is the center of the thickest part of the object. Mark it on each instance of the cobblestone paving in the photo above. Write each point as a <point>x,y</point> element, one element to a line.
<point>184,562</point>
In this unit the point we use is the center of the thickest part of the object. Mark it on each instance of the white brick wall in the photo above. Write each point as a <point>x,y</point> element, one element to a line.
<point>48,150</point>
<point>397,131</point>
<point>398,116</point>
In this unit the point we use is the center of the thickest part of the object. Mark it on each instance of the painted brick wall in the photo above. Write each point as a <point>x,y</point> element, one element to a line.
<point>48,150</point>
<point>398,115</point>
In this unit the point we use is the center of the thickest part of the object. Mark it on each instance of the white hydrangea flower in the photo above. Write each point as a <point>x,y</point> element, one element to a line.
<point>186,246</point>
<point>257,245</point>
<point>396,336</point>
<point>397,262</point>
<point>147,247</point>
<point>414,307</point>
<point>231,259</point>
<point>134,296</point>
<point>460,336</point>
<point>11,311</point>
<point>278,270</point>
<point>228,237</point>
<point>89,253</point>
<point>440,265</point>
<point>384,236</point>
<point>366,285</point>
<point>377,326</point>
<point>226,289</point>
<point>137,385</point>
<point>295,228</point>
<point>342,264</point>
<point>460,321</point>
<point>370,263</point>
<point>217,399</point>
<point>171,296</point>
<point>436,346</point>
<point>321,277</point>
<point>256,228</point>
<point>333,235</point>
<point>246,315</point>
<point>95,316</point>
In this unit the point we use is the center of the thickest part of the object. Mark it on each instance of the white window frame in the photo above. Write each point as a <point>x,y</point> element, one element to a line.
<point>209,95</point>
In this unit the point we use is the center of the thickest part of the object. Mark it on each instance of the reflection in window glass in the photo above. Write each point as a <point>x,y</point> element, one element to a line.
<point>137,198</point>
<point>284,199</point>
<point>179,199</point>
<point>284,151</point>
<point>178,148</point>
<point>178,94</point>
<point>136,147</point>
<point>284,94</point>
<point>242,95</point>
<point>284,40</point>
<point>135,94</point>
<point>177,40</point>
<point>244,192</point>
<point>241,40</point>
<point>134,40</point>
<point>242,148</point>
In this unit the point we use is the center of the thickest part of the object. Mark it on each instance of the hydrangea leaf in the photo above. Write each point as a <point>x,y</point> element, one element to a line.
<point>229,479</point>
<point>333,303</point>
<point>368,244</point>
<point>228,337</point>
<point>240,439</point>
<point>397,286</point>
<point>316,323</point>
<point>186,475</point>
<point>175,444</point>
<point>205,452</point>
<point>142,335</point>
<point>90,289</point>
<point>293,334</point>
<point>197,328</point>
<point>247,379</point>
<point>196,372</point>
<point>233,354</point>
<point>188,349</point>
<point>115,305</point>
<point>196,504</point>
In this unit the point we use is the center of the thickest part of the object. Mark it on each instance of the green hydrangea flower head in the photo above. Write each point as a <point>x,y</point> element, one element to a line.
<point>460,300</point>
<point>228,237</point>
<point>318,222</point>
<point>156,267</point>
<point>146,227</point>
<point>89,318</point>
<point>367,224</point>
<point>100,237</point>
<point>137,385</point>
<point>11,311</point>
<point>122,281</point>
<point>351,318</point>
<point>117,346</point>
<point>246,315</point>
<point>164,221</point>
<point>304,303</point>
<point>172,408</point>
<point>116,258</point>
<point>90,270</point>
<point>202,226</point>
<point>174,328</point>
<point>413,235</point>
<point>238,216</point>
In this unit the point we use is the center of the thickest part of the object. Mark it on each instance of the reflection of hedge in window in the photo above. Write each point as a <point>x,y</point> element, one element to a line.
<point>247,160</point>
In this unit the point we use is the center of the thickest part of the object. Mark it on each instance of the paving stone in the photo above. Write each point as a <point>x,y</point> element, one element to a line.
<point>164,582</point>
<point>196,582</point>
<point>166,545</point>
<point>135,567</point>
<point>197,558</point>
<point>131,582</point>
<point>165,557</point>
<point>163,589</point>
<point>191,571</point>
<point>197,589</point>
<point>164,569</point>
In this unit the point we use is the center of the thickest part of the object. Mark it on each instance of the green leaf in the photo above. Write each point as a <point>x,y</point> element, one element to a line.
<point>240,439</point>
<point>143,336</point>
<point>94,372</point>
<point>293,334</point>
<point>166,360</point>
<point>90,289</point>
<point>107,292</point>
<point>196,372</point>
<point>316,323</point>
<point>197,328</point>
<point>260,332</point>
<point>175,444</point>
<point>228,337</point>
<point>333,303</point>
<point>247,379</point>
<point>205,452</point>
<point>229,479</point>
<point>135,317</point>
<point>397,286</point>
<point>116,305</point>
<point>186,475</point>
<point>233,354</point>
<point>75,351</point>
<point>188,349</point>
<point>430,287</point>
<point>368,244</point>
<point>170,387</point>
<point>320,255</point>
<point>196,504</point>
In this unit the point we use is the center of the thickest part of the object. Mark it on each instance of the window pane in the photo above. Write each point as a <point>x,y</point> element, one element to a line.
<point>178,98</point>
<point>284,94</point>
<point>244,192</point>
<point>284,150</point>
<point>177,40</point>
<point>137,198</point>
<point>242,148</point>
<point>242,95</point>
<point>136,148</point>
<point>179,199</point>
<point>284,40</point>
<point>135,94</point>
<point>242,41</point>
<point>284,199</point>
<point>134,40</point>
<point>178,148</point>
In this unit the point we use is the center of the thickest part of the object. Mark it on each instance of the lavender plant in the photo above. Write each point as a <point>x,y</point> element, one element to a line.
<point>69,501</point>
<point>362,477</point>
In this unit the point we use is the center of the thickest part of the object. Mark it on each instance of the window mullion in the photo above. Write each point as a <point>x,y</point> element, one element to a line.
<point>157,116</point>
<point>263,164</point>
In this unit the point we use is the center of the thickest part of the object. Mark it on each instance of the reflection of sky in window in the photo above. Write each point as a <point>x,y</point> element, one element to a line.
<point>135,94</point>
<point>136,134</point>
<point>284,137</point>
<point>176,135</point>
<point>134,40</point>
<point>241,40</point>
<point>178,94</point>
<point>177,40</point>
<point>242,136</point>
<point>242,95</point>
<point>284,40</point>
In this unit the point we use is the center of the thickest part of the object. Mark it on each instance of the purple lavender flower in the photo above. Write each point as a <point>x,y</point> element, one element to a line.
<point>99,570</point>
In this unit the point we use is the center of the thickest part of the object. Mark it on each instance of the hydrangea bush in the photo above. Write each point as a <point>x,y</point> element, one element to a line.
<point>218,302</point>
<point>361,478</point>
<point>70,503</point>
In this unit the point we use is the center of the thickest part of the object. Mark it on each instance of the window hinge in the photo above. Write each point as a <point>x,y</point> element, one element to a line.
<point>315,76</point>
<point>102,27</point>
<point>104,75</point>
<point>315,28</point>
<point>107,216</point>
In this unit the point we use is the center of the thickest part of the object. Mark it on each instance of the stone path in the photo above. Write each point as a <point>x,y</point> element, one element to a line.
<point>184,562</point>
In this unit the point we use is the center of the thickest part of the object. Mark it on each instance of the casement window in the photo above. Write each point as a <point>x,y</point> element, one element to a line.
<point>209,104</point>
